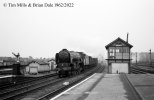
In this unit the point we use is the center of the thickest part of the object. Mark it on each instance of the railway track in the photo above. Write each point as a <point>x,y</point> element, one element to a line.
<point>42,88</point>
<point>140,69</point>
<point>22,80</point>
<point>12,91</point>
<point>137,71</point>
<point>14,80</point>
<point>71,83</point>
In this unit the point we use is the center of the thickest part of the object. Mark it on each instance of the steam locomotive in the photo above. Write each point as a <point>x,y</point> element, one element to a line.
<point>72,63</point>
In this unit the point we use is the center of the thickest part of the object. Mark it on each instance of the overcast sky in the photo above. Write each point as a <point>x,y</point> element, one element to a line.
<point>87,27</point>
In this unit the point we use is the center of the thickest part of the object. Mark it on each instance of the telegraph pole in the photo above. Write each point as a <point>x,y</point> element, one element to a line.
<point>136,58</point>
<point>150,58</point>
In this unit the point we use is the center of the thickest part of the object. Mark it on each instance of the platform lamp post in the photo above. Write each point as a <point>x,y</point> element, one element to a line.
<point>150,58</point>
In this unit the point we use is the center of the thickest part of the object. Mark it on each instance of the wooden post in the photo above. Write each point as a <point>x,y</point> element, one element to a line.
<point>150,58</point>
<point>16,69</point>
<point>136,58</point>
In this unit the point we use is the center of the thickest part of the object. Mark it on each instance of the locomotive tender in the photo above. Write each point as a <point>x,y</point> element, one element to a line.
<point>72,63</point>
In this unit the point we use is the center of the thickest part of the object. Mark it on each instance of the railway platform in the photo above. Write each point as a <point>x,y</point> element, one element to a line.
<point>144,85</point>
<point>111,87</point>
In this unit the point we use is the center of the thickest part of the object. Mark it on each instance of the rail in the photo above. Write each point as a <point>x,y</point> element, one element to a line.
<point>138,69</point>
<point>71,83</point>
<point>23,87</point>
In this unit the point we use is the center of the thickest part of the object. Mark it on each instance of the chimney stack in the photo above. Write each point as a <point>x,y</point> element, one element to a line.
<point>127,37</point>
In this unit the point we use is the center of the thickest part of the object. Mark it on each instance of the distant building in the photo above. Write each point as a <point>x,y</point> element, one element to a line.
<point>52,64</point>
<point>37,66</point>
<point>119,56</point>
<point>6,61</point>
<point>1,62</point>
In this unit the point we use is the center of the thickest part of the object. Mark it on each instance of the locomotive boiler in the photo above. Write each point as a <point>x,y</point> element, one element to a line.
<point>68,62</point>
<point>72,63</point>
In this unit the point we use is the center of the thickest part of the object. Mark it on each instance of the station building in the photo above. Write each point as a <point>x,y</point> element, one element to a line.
<point>119,58</point>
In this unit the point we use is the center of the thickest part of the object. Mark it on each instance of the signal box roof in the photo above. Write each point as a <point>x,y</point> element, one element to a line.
<point>118,42</point>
